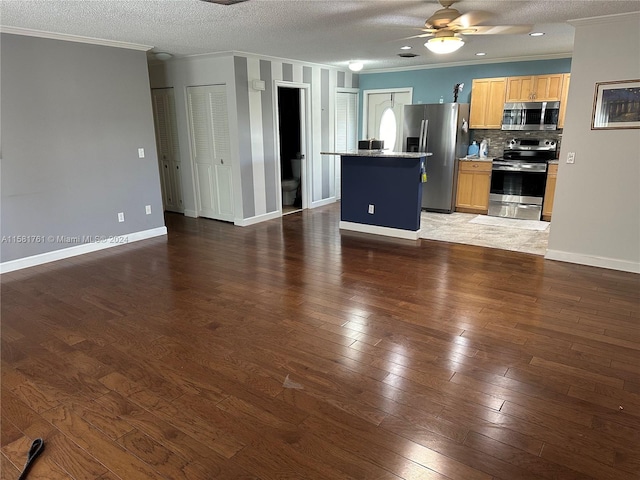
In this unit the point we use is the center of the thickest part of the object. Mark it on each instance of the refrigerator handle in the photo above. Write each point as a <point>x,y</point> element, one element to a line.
<point>423,137</point>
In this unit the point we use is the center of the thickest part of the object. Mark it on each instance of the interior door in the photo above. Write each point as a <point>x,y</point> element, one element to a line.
<point>385,116</point>
<point>210,151</point>
<point>164,119</point>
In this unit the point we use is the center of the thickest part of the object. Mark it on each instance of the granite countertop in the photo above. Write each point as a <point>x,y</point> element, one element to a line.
<point>380,153</point>
<point>475,159</point>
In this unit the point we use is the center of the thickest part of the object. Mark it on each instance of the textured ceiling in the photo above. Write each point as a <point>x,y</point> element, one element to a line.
<point>326,32</point>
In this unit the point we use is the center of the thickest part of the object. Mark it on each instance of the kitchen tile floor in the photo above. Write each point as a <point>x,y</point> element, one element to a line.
<point>456,228</point>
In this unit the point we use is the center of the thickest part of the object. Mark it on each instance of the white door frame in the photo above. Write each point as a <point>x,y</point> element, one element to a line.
<point>365,103</point>
<point>305,133</point>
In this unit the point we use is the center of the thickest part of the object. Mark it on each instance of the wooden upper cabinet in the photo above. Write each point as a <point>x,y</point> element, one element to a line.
<point>563,99</point>
<point>487,102</point>
<point>534,88</point>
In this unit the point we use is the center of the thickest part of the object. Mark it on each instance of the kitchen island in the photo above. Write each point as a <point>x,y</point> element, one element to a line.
<point>381,192</point>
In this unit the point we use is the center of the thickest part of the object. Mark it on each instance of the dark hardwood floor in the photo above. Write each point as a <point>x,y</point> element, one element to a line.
<point>287,350</point>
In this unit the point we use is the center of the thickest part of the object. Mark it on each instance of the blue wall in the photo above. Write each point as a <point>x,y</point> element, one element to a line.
<point>432,83</point>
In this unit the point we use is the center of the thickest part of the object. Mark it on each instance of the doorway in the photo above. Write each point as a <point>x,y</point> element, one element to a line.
<point>384,115</point>
<point>292,134</point>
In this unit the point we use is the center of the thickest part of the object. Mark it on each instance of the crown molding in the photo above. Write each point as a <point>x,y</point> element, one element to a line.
<point>482,61</point>
<point>28,32</point>
<point>615,18</point>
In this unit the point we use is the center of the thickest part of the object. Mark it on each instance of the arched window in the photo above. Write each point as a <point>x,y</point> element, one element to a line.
<point>388,129</point>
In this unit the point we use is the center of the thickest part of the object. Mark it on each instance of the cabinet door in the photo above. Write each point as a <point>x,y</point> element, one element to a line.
<point>487,103</point>
<point>519,89</point>
<point>563,99</point>
<point>548,87</point>
<point>474,181</point>
<point>549,192</point>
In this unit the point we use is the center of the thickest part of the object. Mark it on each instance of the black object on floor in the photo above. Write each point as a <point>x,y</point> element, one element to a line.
<point>36,449</point>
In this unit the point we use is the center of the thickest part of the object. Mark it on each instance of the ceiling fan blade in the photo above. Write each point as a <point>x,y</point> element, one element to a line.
<point>470,19</point>
<point>496,30</point>
<point>422,35</point>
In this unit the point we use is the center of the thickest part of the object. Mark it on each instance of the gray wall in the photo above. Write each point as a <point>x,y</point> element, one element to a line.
<point>596,213</point>
<point>73,118</point>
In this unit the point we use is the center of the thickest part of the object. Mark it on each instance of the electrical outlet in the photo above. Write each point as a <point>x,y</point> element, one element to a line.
<point>141,153</point>
<point>121,217</point>
<point>571,157</point>
<point>371,209</point>
<point>147,209</point>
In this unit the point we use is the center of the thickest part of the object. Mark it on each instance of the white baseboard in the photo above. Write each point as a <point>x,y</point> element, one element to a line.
<point>377,230</point>
<point>32,261</point>
<point>190,213</point>
<point>257,219</point>
<point>322,203</point>
<point>593,261</point>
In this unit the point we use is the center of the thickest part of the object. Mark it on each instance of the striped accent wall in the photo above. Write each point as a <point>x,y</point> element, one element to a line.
<point>257,130</point>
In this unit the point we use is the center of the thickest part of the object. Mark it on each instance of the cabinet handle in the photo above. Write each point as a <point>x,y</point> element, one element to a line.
<point>475,165</point>
<point>222,161</point>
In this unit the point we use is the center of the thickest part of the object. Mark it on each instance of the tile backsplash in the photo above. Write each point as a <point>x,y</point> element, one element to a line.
<point>498,138</point>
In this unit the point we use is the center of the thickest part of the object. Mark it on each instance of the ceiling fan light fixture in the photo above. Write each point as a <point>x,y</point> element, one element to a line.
<point>355,66</point>
<point>442,45</point>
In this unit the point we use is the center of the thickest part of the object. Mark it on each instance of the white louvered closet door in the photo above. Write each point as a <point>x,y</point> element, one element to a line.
<point>346,129</point>
<point>209,130</point>
<point>168,150</point>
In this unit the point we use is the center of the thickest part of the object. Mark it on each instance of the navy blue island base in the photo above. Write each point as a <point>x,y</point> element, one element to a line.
<point>381,192</point>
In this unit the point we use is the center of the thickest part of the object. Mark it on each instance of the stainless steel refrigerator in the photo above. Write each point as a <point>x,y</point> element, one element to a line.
<point>443,130</point>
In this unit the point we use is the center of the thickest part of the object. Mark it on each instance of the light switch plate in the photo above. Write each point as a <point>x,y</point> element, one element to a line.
<point>571,157</point>
<point>121,217</point>
<point>147,209</point>
<point>141,153</point>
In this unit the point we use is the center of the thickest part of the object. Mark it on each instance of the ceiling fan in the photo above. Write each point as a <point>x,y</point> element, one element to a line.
<point>447,26</point>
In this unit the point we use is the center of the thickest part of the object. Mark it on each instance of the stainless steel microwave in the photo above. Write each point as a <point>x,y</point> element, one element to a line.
<point>530,116</point>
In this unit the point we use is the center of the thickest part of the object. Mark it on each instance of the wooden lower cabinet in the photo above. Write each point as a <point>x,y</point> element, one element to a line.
<point>549,192</point>
<point>474,181</point>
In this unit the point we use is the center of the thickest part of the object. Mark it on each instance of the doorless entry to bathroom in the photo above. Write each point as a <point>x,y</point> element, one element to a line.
<point>291,104</point>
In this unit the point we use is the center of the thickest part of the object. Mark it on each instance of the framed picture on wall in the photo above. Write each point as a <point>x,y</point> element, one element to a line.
<point>616,105</point>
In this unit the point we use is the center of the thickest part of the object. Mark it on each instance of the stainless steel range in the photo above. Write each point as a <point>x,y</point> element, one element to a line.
<point>518,178</point>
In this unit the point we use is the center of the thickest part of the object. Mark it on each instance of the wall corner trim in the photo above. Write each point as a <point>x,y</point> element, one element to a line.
<point>593,261</point>
<point>32,261</point>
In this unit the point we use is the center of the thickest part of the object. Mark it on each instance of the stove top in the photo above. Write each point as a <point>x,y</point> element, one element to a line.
<point>529,150</point>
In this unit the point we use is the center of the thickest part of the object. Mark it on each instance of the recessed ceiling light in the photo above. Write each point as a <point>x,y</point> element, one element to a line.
<point>536,34</point>
<point>406,47</point>
<point>480,54</point>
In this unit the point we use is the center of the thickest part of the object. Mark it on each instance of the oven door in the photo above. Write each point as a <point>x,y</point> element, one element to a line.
<point>517,190</point>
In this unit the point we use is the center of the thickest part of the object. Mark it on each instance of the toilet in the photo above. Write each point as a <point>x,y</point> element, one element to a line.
<point>290,185</point>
